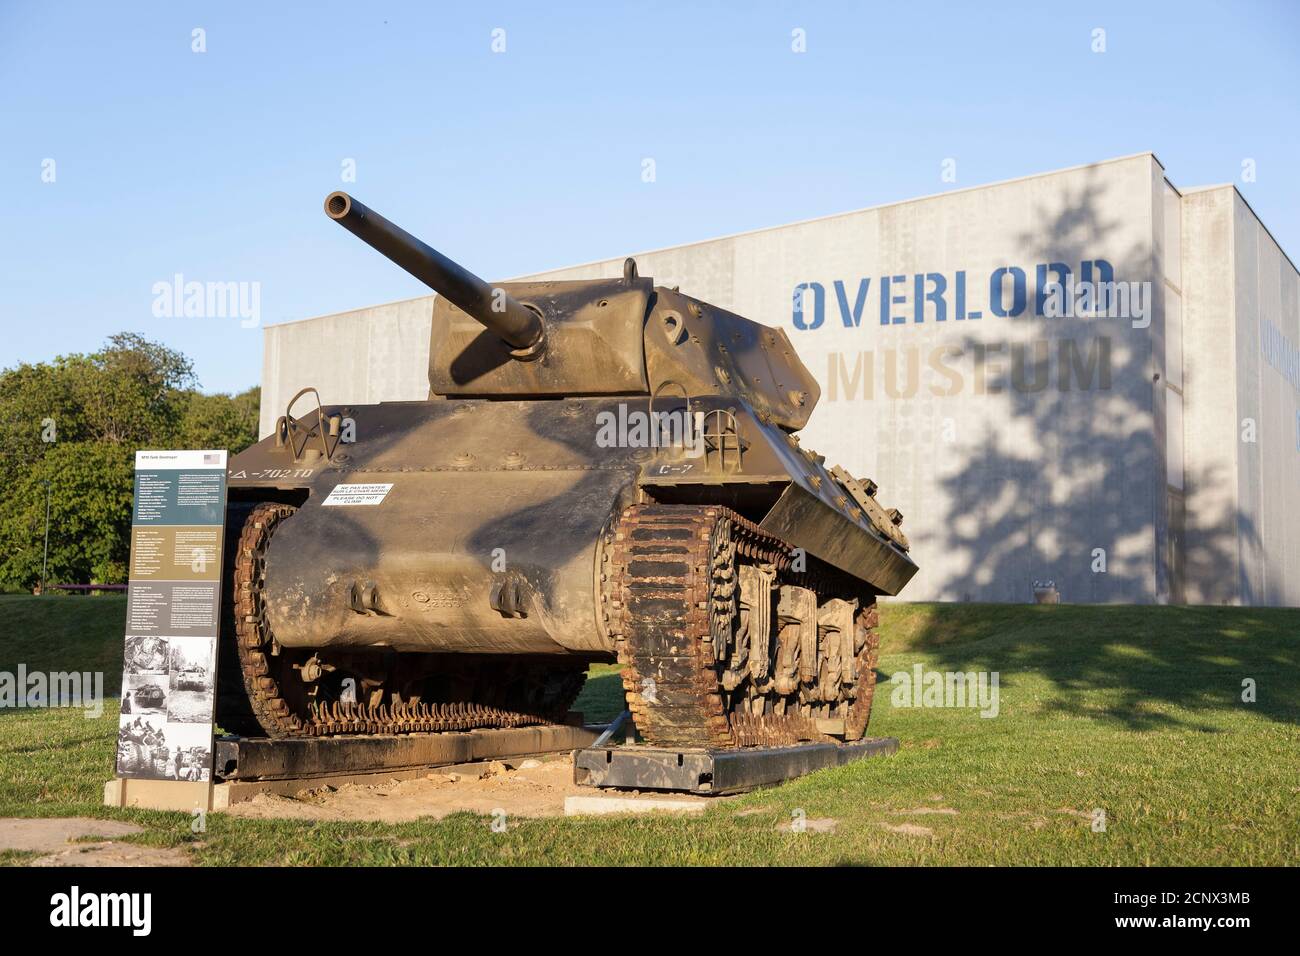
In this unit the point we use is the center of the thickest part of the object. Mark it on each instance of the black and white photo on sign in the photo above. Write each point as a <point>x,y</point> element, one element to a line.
<point>189,752</point>
<point>141,746</point>
<point>144,695</point>
<point>146,654</point>
<point>189,699</point>
<point>191,661</point>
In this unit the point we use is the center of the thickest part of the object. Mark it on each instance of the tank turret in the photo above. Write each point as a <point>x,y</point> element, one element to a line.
<point>618,336</point>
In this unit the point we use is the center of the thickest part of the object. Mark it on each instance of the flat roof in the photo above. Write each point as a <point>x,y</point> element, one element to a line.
<point>1245,202</point>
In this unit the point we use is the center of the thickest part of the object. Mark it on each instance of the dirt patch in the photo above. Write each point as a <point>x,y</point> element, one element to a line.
<point>113,854</point>
<point>920,811</point>
<point>531,788</point>
<point>57,840</point>
<point>1077,814</point>
<point>809,825</point>
<point>909,829</point>
<point>48,835</point>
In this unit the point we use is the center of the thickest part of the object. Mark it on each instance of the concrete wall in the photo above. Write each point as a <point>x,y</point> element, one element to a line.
<point>1018,446</point>
<point>1242,426</point>
<point>380,354</point>
<point>1210,419</point>
<point>1168,390</point>
<point>1268,392</point>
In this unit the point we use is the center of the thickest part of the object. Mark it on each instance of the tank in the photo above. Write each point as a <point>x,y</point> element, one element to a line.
<point>603,471</point>
<point>148,695</point>
<point>191,678</point>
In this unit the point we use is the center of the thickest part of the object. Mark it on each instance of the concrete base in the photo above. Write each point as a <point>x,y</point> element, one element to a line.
<point>188,797</point>
<point>183,795</point>
<point>602,806</point>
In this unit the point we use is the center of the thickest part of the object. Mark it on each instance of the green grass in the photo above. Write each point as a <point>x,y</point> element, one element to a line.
<point>601,699</point>
<point>64,633</point>
<point>1136,711</point>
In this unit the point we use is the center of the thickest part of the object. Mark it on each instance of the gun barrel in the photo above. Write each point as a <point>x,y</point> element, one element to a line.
<point>516,324</point>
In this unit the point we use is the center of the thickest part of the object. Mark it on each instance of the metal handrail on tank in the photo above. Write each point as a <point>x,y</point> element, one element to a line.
<point>513,322</point>
<point>287,427</point>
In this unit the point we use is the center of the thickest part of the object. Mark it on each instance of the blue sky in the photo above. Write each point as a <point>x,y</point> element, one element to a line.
<point>214,165</point>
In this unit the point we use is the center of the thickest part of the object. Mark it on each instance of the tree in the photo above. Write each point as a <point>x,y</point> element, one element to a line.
<point>76,422</point>
<point>133,392</point>
<point>219,421</point>
<point>91,490</point>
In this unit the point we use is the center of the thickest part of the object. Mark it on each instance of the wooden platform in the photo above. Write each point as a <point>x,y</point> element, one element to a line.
<point>245,767</point>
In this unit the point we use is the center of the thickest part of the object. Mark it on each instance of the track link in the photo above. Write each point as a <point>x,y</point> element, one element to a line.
<point>670,598</point>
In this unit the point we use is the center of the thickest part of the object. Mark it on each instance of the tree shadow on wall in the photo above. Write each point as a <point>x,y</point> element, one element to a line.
<point>1070,487</point>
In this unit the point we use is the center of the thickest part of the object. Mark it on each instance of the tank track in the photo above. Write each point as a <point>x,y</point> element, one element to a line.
<point>254,703</point>
<point>670,597</point>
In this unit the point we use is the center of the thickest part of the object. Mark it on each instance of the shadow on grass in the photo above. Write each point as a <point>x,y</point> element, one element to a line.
<point>1146,661</point>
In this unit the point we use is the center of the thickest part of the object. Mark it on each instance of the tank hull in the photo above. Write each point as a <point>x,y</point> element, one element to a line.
<point>476,526</point>
<point>494,562</point>
<point>479,532</point>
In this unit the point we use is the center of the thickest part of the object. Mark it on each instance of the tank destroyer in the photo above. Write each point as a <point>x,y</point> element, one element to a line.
<point>604,470</point>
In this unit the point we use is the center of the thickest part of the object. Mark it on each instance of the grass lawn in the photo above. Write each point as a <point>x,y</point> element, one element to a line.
<point>1135,711</point>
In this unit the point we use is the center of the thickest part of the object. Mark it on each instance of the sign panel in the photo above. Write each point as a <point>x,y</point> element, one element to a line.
<point>173,615</point>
